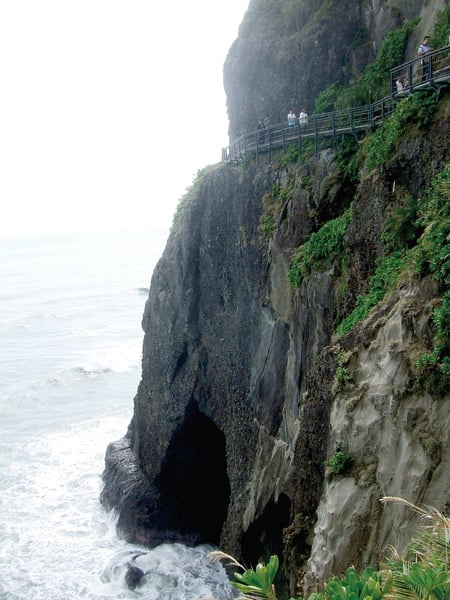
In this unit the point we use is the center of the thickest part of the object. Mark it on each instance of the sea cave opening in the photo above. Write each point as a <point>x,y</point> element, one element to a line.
<point>193,481</point>
<point>264,536</point>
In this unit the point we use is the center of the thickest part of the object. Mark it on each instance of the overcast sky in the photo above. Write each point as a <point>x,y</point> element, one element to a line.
<point>108,109</point>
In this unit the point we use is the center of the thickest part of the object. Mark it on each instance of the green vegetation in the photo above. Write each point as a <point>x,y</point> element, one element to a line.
<point>400,229</point>
<point>347,158</point>
<point>384,279</point>
<point>412,115</point>
<point>256,583</point>
<point>272,202</point>
<point>267,226</point>
<point>342,374</point>
<point>322,248</point>
<point>432,256</point>
<point>422,573</point>
<point>374,82</point>
<point>338,463</point>
<point>189,195</point>
<point>416,236</point>
<point>417,239</point>
<point>325,101</point>
<point>441,30</point>
<point>352,586</point>
<point>292,154</point>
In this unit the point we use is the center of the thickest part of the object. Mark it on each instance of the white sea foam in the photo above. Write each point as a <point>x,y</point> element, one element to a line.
<point>119,357</point>
<point>59,543</point>
<point>71,346</point>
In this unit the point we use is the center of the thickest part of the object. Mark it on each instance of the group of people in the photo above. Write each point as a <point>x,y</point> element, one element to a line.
<point>264,124</point>
<point>302,118</point>
<point>401,83</point>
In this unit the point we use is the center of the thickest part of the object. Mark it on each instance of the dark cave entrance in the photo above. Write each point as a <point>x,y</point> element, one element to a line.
<point>193,482</point>
<point>264,537</point>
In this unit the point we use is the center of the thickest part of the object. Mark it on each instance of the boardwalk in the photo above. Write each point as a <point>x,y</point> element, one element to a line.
<point>349,121</point>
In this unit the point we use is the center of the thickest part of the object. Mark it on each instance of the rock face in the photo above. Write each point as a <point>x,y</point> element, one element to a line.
<point>238,407</point>
<point>202,323</point>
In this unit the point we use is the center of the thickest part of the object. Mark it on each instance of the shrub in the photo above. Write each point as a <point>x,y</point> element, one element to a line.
<point>338,463</point>
<point>291,155</point>
<point>433,256</point>
<point>383,280</point>
<point>189,195</point>
<point>423,571</point>
<point>342,374</point>
<point>421,574</point>
<point>374,82</point>
<point>441,30</point>
<point>401,229</point>
<point>367,586</point>
<point>325,101</point>
<point>323,247</point>
<point>414,112</point>
<point>256,583</point>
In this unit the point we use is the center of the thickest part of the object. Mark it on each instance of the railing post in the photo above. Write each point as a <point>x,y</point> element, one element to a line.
<point>410,78</point>
<point>315,135</point>
<point>269,133</point>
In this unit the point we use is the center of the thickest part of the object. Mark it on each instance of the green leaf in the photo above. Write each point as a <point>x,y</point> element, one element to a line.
<point>272,567</point>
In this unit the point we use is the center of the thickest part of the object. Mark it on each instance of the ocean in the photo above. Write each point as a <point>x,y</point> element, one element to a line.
<point>71,340</point>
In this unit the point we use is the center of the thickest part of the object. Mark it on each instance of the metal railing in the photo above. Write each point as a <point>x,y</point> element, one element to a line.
<point>423,73</point>
<point>281,135</point>
<point>416,76</point>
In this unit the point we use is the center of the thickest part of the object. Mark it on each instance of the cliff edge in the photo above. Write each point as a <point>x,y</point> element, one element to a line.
<point>247,391</point>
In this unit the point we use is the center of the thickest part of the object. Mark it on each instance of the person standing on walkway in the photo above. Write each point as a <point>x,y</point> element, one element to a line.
<point>303,118</point>
<point>422,51</point>
<point>291,118</point>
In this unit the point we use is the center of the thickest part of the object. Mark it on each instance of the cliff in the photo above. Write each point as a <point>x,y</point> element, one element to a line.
<point>246,389</point>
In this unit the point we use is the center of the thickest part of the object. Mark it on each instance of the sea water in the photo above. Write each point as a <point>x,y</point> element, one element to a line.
<point>71,341</point>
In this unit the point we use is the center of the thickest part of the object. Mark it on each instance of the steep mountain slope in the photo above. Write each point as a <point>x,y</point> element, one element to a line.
<point>246,389</point>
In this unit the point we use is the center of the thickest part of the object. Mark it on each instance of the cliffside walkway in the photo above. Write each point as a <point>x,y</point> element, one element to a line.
<point>349,121</point>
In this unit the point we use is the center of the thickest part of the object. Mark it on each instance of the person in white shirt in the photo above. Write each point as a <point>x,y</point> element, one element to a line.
<point>422,51</point>
<point>291,118</point>
<point>401,84</point>
<point>303,118</point>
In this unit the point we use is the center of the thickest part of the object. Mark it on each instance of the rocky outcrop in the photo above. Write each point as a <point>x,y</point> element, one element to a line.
<point>239,406</point>
<point>397,436</point>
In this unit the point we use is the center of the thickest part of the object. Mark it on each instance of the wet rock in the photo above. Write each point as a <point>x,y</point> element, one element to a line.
<point>133,576</point>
